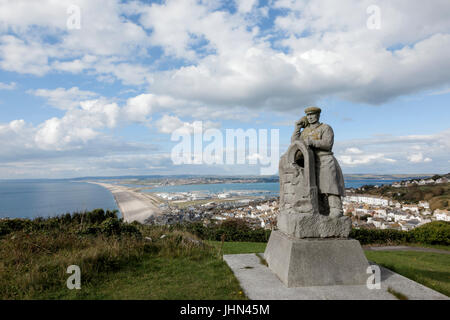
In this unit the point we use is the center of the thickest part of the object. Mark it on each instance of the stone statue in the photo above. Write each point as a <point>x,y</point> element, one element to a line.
<point>311,246</point>
<point>311,183</point>
<point>330,181</point>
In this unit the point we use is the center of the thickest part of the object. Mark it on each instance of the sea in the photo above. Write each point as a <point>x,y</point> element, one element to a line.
<point>44,198</point>
<point>268,188</point>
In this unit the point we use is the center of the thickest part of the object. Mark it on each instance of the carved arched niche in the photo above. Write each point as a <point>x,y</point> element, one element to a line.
<point>298,190</point>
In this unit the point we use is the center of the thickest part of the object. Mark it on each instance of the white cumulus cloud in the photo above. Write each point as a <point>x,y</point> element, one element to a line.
<point>8,86</point>
<point>418,158</point>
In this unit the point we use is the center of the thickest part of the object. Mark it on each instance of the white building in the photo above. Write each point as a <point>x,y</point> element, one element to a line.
<point>263,207</point>
<point>424,204</point>
<point>442,215</point>
<point>397,204</point>
<point>368,199</point>
<point>406,226</point>
<point>381,212</point>
<point>423,220</point>
<point>401,216</point>
<point>378,223</point>
<point>410,207</point>
<point>361,211</point>
<point>223,195</point>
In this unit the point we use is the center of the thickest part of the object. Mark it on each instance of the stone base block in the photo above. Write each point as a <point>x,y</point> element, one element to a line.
<point>316,262</point>
<point>314,225</point>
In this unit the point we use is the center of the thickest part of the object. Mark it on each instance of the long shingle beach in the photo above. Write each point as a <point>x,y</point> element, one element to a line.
<point>134,206</point>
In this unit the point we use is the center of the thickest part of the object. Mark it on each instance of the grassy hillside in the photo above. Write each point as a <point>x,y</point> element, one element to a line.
<point>117,261</point>
<point>437,195</point>
<point>133,261</point>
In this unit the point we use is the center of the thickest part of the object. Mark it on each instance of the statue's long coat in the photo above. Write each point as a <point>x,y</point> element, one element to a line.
<point>330,179</point>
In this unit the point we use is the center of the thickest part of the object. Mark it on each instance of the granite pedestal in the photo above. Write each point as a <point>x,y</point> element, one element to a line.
<point>260,283</point>
<point>316,262</point>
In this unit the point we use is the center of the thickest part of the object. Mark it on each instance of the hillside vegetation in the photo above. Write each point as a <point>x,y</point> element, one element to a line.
<point>117,260</point>
<point>134,261</point>
<point>433,233</point>
<point>437,195</point>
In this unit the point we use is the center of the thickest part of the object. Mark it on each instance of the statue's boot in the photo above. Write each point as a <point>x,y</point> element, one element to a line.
<point>335,204</point>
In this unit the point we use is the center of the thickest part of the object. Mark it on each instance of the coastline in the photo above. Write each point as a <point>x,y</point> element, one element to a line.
<point>134,206</point>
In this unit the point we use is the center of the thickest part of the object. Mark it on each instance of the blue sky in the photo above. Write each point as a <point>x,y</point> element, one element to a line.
<point>104,98</point>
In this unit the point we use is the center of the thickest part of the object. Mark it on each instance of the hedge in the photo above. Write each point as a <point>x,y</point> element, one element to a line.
<point>231,230</point>
<point>91,222</point>
<point>98,221</point>
<point>437,232</point>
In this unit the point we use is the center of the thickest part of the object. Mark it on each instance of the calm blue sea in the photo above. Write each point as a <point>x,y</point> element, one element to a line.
<point>37,198</point>
<point>28,199</point>
<point>268,188</point>
<point>273,187</point>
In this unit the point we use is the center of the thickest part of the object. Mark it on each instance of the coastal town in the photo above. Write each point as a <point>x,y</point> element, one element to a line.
<point>366,210</point>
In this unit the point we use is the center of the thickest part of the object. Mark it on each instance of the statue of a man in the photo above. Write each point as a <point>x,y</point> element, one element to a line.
<point>330,181</point>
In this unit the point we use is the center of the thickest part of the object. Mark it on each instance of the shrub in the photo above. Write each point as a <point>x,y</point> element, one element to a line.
<point>110,226</point>
<point>130,229</point>
<point>370,236</point>
<point>92,222</point>
<point>437,232</point>
<point>10,225</point>
<point>232,229</point>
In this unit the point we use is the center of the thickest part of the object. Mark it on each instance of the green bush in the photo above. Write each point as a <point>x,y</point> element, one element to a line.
<point>231,230</point>
<point>437,232</point>
<point>110,226</point>
<point>130,229</point>
<point>99,222</point>
<point>93,222</point>
<point>10,225</point>
<point>387,236</point>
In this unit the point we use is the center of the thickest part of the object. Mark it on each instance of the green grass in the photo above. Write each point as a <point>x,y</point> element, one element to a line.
<point>117,261</point>
<point>161,278</point>
<point>239,247</point>
<point>430,269</point>
<point>162,269</point>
